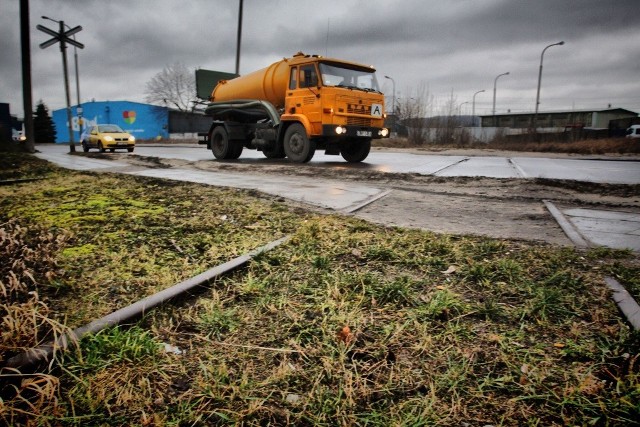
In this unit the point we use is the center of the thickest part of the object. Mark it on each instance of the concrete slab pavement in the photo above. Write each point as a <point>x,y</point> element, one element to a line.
<point>599,227</point>
<point>335,195</point>
<point>613,229</point>
<point>322,193</point>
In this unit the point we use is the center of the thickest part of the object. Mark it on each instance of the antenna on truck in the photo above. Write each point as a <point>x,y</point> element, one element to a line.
<point>326,42</point>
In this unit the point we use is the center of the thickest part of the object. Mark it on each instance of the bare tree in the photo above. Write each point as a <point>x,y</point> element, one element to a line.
<point>413,112</point>
<point>445,132</point>
<point>174,86</point>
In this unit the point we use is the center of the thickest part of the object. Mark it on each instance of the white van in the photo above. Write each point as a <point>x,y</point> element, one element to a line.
<point>17,135</point>
<point>633,131</point>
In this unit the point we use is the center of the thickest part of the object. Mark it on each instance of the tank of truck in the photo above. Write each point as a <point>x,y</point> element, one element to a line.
<point>268,84</point>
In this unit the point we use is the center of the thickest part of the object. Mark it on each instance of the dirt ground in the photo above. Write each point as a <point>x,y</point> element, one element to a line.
<point>501,208</point>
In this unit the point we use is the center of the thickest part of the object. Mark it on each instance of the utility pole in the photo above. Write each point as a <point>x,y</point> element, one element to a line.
<point>239,40</point>
<point>27,101</point>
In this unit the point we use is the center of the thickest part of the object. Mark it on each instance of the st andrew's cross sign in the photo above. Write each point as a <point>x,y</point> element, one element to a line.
<point>62,36</point>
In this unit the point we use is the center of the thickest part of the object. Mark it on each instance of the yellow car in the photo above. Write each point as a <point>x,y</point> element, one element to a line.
<point>107,137</point>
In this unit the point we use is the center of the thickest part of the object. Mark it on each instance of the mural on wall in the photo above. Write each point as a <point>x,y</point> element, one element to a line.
<point>144,121</point>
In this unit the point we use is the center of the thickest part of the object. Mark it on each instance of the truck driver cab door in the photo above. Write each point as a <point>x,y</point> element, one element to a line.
<point>304,93</point>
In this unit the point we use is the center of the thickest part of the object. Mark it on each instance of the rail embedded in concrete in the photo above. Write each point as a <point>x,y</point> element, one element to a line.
<point>135,310</point>
<point>623,299</point>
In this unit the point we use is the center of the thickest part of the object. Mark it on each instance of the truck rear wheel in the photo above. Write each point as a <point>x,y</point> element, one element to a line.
<point>222,147</point>
<point>356,150</point>
<point>297,145</point>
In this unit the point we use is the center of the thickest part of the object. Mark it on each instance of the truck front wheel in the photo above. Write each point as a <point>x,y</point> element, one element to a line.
<point>222,147</point>
<point>297,145</point>
<point>355,150</point>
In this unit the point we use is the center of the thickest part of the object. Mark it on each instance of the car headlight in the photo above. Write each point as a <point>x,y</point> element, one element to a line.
<point>108,138</point>
<point>132,138</point>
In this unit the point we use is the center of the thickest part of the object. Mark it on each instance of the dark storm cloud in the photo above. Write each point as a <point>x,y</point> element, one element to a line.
<point>452,47</point>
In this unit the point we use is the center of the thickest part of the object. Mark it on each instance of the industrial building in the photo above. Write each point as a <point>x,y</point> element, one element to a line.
<point>144,121</point>
<point>558,120</point>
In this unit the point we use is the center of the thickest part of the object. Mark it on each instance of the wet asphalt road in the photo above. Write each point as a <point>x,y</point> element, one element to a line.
<point>601,171</point>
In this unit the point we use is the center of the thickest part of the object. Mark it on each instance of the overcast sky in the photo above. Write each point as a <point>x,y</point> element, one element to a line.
<point>451,48</point>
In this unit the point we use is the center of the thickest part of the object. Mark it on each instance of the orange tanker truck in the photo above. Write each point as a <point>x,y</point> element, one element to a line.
<point>295,106</point>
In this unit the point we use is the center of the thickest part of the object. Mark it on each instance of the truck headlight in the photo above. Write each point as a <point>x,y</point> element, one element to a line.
<point>340,130</point>
<point>383,132</point>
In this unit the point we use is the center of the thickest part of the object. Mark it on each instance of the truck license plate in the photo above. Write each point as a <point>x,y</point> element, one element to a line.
<point>363,133</point>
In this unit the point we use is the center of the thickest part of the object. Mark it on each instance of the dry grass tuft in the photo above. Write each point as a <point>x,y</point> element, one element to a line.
<point>28,258</point>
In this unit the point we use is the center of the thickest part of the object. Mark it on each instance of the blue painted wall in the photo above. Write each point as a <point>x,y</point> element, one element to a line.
<point>143,121</point>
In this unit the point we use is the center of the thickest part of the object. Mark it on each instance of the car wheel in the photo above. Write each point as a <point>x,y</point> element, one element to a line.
<point>297,146</point>
<point>356,150</point>
<point>113,150</point>
<point>130,149</point>
<point>100,147</point>
<point>85,146</point>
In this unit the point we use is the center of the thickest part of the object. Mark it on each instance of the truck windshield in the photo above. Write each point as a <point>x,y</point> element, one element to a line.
<point>343,76</point>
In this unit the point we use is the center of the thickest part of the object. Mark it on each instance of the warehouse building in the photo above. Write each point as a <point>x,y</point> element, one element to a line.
<point>144,121</point>
<point>558,120</point>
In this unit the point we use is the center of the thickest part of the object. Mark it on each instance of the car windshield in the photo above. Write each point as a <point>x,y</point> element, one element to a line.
<point>342,75</point>
<point>110,129</point>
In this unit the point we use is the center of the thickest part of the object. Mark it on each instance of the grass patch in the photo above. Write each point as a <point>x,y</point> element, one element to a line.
<point>347,324</point>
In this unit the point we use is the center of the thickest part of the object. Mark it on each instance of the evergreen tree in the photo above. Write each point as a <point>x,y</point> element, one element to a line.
<point>43,127</point>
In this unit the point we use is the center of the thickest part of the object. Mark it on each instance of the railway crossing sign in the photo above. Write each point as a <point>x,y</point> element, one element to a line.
<point>62,36</point>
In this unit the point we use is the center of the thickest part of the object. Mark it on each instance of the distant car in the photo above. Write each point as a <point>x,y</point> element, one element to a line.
<point>107,137</point>
<point>16,135</point>
<point>633,131</point>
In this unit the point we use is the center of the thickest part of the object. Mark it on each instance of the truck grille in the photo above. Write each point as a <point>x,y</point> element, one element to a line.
<point>358,121</point>
<point>359,109</point>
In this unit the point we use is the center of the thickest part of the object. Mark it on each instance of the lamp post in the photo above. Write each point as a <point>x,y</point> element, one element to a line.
<point>495,81</point>
<point>460,107</point>
<point>393,104</point>
<point>473,106</point>
<point>535,116</point>
<point>75,59</point>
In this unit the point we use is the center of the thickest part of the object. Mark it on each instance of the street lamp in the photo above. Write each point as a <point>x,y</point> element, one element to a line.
<point>494,91</point>
<point>460,107</point>
<point>393,105</point>
<point>473,107</point>
<point>535,116</point>
<point>75,59</point>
